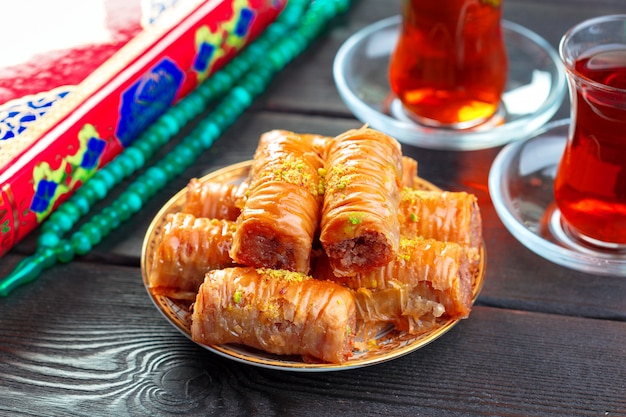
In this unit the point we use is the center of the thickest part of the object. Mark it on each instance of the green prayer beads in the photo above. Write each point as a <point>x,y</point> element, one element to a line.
<point>284,39</point>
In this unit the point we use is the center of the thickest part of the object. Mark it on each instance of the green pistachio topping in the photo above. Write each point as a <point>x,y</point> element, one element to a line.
<point>356,218</point>
<point>282,274</point>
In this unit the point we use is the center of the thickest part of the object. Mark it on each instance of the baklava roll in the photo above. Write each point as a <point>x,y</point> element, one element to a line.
<point>189,247</point>
<point>319,143</point>
<point>427,273</point>
<point>280,216</point>
<point>409,172</point>
<point>409,309</point>
<point>277,311</point>
<point>213,200</point>
<point>359,227</point>
<point>446,216</point>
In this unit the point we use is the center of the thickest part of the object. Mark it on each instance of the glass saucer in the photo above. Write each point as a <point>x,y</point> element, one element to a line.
<point>534,92</point>
<point>521,186</point>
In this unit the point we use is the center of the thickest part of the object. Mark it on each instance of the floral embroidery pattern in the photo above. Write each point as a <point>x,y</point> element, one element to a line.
<point>231,35</point>
<point>148,98</point>
<point>50,184</point>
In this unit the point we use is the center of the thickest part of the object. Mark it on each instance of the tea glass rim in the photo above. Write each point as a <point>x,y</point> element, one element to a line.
<point>569,68</point>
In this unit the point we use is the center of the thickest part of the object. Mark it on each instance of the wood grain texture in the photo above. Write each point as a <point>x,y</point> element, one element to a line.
<point>95,345</point>
<point>85,339</point>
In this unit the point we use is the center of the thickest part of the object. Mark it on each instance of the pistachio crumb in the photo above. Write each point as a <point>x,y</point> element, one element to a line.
<point>355,219</point>
<point>282,274</point>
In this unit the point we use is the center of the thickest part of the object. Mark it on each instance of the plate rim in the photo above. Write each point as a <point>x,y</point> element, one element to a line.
<point>231,351</point>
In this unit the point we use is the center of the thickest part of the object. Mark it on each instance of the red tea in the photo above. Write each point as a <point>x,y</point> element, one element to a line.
<point>590,187</point>
<point>449,66</point>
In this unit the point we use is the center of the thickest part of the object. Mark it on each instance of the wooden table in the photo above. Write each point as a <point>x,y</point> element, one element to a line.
<point>542,340</point>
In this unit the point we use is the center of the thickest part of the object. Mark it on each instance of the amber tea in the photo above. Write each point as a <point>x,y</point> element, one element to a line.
<point>590,186</point>
<point>449,66</point>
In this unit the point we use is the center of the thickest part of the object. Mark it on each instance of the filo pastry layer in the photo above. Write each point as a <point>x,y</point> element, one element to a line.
<point>278,311</point>
<point>188,248</point>
<point>359,228</point>
<point>447,216</point>
<point>428,279</point>
<point>214,200</point>
<point>281,211</point>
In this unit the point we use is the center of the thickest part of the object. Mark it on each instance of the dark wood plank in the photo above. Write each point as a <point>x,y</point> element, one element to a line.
<point>88,341</point>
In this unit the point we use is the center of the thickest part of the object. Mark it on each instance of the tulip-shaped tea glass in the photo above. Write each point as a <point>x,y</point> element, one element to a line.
<point>449,66</point>
<point>450,74</point>
<point>563,192</point>
<point>590,184</point>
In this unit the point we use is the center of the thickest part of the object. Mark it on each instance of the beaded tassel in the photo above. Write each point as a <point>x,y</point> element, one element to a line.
<point>284,39</point>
